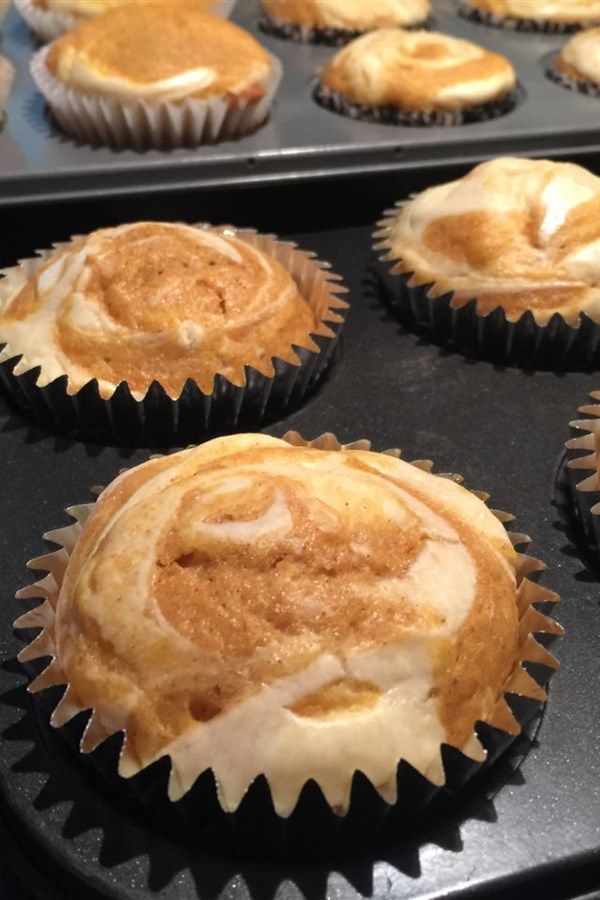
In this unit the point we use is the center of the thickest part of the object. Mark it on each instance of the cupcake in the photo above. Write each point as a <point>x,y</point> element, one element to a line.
<point>559,16</point>
<point>577,65</point>
<point>51,18</point>
<point>166,322</point>
<point>134,78</point>
<point>583,469</point>
<point>335,22</point>
<point>265,607</point>
<point>504,261</point>
<point>416,78</point>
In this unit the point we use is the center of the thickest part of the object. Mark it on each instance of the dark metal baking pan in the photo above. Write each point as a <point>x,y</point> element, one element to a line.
<point>531,827</point>
<point>301,140</point>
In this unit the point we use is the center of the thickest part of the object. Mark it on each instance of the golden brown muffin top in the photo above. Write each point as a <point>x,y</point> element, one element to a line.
<point>353,15</point>
<point>579,58</point>
<point>417,70</point>
<point>222,604</point>
<point>568,12</point>
<point>134,54</point>
<point>157,301</point>
<point>522,234</point>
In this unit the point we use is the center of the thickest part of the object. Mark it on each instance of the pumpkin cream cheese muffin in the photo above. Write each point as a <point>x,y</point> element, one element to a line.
<point>519,234</point>
<point>155,301</point>
<point>347,15</point>
<point>87,9</point>
<point>254,607</point>
<point>417,71</point>
<point>49,19</point>
<point>132,54</point>
<point>560,13</point>
<point>579,59</point>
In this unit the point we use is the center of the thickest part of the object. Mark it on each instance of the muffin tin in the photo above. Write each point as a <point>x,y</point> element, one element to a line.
<point>301,139</point>
<point>531,824</point>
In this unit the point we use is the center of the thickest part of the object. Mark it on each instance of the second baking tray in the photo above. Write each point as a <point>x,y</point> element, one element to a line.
<point>301,140</point>
<point>531,828</point>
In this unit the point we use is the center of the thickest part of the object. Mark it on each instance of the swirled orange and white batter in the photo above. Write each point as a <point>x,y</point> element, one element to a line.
<point>254,607</point>
<point>522,234</point>
<point>353,15</point>
<point>133,53</point>
<point>155,301</point>
<point>417,70</point>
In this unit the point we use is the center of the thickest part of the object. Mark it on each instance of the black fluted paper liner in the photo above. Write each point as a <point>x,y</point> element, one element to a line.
<point>512,23</point>
<point>556,346</point>
<point>389,114</point>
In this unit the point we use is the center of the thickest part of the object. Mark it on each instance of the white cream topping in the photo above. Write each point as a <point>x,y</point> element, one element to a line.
<point>66,279</point>
<point>582,52</point>
<point>261,734</point>
<point>369,61</point>
<point>509,187</point>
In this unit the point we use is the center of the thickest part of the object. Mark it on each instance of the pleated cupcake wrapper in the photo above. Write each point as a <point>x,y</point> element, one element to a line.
<point>313,823</point>
<point>583,461</point>
<point>159,420</point>
<point>330,36</point>
<point>426,307</point>
<point>512,23</point>
<point>590,88</point>
<point>48,24</point>
<point>140,125</point>
<point>389,114</point>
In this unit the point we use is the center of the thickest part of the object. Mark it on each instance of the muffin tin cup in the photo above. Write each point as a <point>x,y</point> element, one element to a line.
<point>329,36</point>
<point>425,307</point>
<point>48,25</point>
<point>590,88</point>
<point>159,420</point>
<point>313,826</point>
<point>390,115</point>
<point>106,121</point>
<point>583,463</point>
<point>512,23</point>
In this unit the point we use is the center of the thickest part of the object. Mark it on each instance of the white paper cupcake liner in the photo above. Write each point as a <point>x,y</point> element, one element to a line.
<point>512,23</point>
<point>330,36</point>
<point>98,120</point>
<point>45,24</point>
<point>157,419</point>
<point>590,88</point>
<point>48,25</point>
<point>312,816</point>
<point>583,468</point>
<point>423,306</point>
<point>390,115</point>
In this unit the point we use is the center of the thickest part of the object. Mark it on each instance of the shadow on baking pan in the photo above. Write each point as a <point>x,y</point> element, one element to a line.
<point>93,830</point>
<point>32,433</point>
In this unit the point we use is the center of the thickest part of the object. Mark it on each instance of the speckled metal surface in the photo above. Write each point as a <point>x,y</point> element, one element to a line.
<point>531,828</point>
<point>301,140</point>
